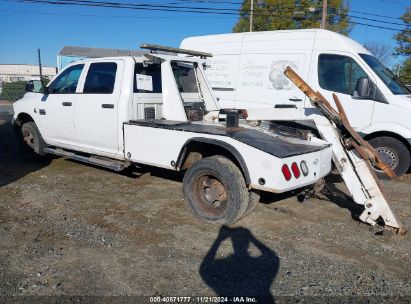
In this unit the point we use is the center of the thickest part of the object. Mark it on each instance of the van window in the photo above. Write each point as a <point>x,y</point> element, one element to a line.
<point>185,77</point>
<point>152,70</point>
<point>101,77</point>
<point>388,77</point>
<point>338,73</point>
<point>66,82</point>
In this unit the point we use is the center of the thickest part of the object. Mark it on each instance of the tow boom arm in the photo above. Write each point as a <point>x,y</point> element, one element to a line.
<point>353,157</point>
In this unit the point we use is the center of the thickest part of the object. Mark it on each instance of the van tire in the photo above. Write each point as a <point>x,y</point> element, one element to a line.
<point>215,190</point>
<point>394,153</point>
<point>31,143</point>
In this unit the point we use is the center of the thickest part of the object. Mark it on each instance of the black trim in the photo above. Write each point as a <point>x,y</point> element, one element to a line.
<point>218,143</point>
<point>285,106</point>
<point>223,89</point>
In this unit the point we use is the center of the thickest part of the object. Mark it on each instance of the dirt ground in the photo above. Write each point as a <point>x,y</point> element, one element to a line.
<point>76,230</point>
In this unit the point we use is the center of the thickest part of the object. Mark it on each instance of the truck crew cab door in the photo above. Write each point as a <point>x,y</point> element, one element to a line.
<point>55,113</point>
<point>339,73</point>
<point>96,110</point>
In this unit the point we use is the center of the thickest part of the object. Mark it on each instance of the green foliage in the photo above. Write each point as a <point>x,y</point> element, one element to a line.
<point>293,14</point>
<point>13,91</point>
<point>405,71</point>
<point>404,37</point>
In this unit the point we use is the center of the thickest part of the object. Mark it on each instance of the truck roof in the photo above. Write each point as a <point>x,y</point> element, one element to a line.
<point>145,56</point>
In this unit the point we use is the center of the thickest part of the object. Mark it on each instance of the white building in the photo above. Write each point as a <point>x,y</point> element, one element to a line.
<point>24,72</point>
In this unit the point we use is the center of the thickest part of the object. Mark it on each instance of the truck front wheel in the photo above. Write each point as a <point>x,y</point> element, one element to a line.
<point>32,143</point>
<point>393,152</point>
<point>215,190</point>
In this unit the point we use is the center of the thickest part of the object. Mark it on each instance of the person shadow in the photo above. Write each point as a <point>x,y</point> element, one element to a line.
<point>240,274</point>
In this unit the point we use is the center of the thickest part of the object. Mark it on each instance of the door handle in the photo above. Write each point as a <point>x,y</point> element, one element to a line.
<point>66,104</point>
<point>295,99</point>
<point>107,106</point>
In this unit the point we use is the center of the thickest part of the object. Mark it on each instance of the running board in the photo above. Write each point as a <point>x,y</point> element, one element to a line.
<point>108,163</point>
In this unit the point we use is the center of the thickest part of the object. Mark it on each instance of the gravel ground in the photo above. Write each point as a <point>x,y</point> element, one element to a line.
<point>69,229</point>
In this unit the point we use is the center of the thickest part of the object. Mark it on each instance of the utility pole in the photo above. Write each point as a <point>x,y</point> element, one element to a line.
<point>251,15</point>
<point>324,18</point>
<point>40,68</point>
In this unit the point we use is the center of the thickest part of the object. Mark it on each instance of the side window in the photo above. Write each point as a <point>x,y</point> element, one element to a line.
<point>338,73</point>
<point>101,77</point>
<point>185,77</point>
<point>147,79</point>
<point>66,82</point>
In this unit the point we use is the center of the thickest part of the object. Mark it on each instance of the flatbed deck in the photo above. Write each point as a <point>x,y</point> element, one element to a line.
<point>275,146</point>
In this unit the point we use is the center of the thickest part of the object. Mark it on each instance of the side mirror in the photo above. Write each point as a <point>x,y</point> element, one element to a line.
<point>363,89</point>
<point>29,86</point>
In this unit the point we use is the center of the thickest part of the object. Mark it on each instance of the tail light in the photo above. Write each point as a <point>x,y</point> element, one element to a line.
<point>286,172</point>
<point>296,170</point>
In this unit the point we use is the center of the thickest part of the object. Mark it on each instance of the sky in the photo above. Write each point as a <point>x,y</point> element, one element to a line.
<point>28,26</point>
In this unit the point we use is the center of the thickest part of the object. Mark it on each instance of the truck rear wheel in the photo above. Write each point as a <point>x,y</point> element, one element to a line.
<point>32,144</point>
<point>253,200</point>
<point>393,152</point>
<point>215,190</point>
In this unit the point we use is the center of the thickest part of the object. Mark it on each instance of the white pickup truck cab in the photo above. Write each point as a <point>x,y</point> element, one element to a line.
<point>246,71</point>
<point>159,110</point>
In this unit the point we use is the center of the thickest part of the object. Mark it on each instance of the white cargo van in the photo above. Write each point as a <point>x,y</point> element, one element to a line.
<point>246,71</point>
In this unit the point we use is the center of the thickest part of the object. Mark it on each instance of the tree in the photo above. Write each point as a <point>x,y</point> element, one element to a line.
<point>293,14</point>
<point>404,46</point>
<point>404,37</point>
<point>382,51</point>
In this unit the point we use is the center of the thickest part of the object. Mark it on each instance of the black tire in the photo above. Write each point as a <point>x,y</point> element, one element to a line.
<point>215,190</point>
<point>394,153</point>
<point>32,144</point>
<point>253,200</point>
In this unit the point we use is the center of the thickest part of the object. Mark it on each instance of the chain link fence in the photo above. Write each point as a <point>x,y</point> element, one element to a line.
<point>12,91</point>
<point>15,90</point>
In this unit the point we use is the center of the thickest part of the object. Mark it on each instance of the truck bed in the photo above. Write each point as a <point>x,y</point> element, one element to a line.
<point>275,146</point>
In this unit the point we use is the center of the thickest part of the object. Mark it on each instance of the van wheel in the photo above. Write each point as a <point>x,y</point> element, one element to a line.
<point>394,153</point>
<point>215,190</point>
<point>32,144</point>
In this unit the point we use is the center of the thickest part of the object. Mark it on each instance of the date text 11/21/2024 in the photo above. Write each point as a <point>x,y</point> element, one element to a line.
<point>165,299</point>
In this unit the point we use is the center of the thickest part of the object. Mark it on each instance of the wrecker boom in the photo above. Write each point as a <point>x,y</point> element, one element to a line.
<point>352,155</point>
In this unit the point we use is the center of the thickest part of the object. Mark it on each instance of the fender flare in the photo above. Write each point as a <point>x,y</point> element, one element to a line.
<point>233,151</point>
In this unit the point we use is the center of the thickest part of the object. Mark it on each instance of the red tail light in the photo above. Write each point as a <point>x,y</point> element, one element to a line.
<point>286,172</point>
<point>296,170</point>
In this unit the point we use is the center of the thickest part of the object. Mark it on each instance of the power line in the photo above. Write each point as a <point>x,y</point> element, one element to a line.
<point>182,9</point>
<point>293,6</point>
<point>107,16</point>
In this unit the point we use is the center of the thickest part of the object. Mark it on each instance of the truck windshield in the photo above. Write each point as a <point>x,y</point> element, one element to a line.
<point>391,81</point>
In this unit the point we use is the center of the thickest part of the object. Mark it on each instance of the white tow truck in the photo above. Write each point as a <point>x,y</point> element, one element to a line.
<point>159,110</point>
